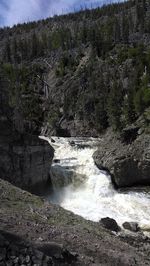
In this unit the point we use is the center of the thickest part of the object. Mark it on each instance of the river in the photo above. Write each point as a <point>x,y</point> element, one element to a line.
<point>79,186</point>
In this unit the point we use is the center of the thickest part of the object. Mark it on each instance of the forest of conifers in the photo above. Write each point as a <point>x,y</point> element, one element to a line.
<point>96,64</point>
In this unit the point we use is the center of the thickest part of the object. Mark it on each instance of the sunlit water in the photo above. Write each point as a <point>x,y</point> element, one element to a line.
<point>79,186</point>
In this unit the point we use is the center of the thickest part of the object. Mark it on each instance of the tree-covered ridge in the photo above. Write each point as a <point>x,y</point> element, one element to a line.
<point>102,27</point>
<point>96,64</point>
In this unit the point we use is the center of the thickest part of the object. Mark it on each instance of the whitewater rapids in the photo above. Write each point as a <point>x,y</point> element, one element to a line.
<point>79,186</point>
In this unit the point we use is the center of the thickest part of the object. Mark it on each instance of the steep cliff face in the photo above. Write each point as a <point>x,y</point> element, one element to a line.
<point>24,158</point>
<point>128,163</point>
<point>25,162</point>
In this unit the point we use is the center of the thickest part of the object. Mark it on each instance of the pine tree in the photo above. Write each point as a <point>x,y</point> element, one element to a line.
<point>125,28</point>
<point>34,45</point>
<point>117,31</point>
<point>8,51</point>
<point>128,108</point>
<point>96,41</point>
<point>101,118</point>
<point>114,105</point>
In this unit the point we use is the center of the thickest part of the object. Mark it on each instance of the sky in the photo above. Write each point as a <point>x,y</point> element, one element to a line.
<point>19,11</point>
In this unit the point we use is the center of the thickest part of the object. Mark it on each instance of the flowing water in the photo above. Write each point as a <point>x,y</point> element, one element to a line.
<point>79,186</point>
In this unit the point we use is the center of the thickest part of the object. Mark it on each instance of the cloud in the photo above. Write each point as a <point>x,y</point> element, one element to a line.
<point>19,11</point>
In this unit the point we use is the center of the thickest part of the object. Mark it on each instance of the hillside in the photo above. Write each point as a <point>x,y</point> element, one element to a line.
<point>79,73</point>
<point>36,232</point>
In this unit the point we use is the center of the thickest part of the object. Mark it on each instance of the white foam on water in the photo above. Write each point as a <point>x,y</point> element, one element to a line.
<point>95,197</point>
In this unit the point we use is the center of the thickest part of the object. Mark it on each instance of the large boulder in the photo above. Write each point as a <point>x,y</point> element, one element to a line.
<point>127,162</point>
<point>25,161</point>
<point>131,226</point>
<point>110,224</point>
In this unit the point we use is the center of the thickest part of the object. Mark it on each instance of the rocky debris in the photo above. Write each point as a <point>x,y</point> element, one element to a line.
<point>137,240</point>
<point>128,164</point>
<point>16,251</point>
<point>58,252</point>
<point>110,224</point>
<point>131,226</point>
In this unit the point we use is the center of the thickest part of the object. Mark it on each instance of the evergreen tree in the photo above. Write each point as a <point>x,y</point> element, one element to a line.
<point>128,108</point>
<point>125,28</point>
<point>117,31</point>
<point>114,105</point>
<point>34,45</point>
<point>101,118</point>
<point>96,41</point>
<point>8,51</point>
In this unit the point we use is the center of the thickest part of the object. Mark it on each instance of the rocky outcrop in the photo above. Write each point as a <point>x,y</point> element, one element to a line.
<point>25,161</point>
<point>24,158</point>
<point>127,162</point>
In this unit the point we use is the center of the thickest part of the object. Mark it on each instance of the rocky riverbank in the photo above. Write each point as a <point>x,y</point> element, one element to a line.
<point>32,229</point>
<point>126,157</point>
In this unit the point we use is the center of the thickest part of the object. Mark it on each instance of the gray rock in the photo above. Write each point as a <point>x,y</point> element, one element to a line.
<point>24,158</point>
<point>21,259</point>
<point>16,260</point>
<point>131,226</point>
<point>50,248</point>
<point>26,162</point>
<point>110,224</point>
<point>128,164</point>
<point>27,259</point>
<point>56,161</point>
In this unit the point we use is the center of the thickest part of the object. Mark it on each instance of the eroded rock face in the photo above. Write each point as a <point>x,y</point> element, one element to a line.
<point>24,158</point>
<point>128,164</point>
<point>26,161</point>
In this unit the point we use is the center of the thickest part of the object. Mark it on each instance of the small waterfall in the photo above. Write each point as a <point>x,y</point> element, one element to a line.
<point>62,176</point>
<point>79,186</point>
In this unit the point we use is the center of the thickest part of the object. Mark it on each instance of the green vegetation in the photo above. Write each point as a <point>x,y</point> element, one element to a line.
<point>67,63</point>
<point>102,70</point>
<point>24,91</point>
